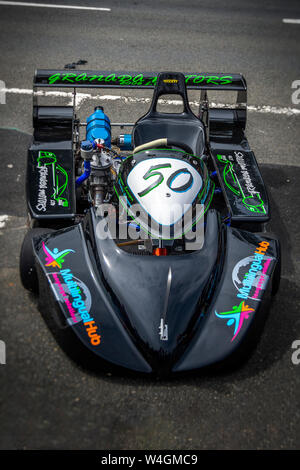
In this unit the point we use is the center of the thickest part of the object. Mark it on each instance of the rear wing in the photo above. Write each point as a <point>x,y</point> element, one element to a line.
<point>223,117</point>
<point>106,79</point>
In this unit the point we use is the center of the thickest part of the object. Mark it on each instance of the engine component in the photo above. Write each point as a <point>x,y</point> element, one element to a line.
<point>87,154</point>
<point>124,142</point>
<point>101,175</point>
<point>86,150</point>
<point>98,127</point>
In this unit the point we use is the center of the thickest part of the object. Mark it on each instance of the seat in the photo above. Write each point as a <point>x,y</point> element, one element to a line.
<point>182,127</point>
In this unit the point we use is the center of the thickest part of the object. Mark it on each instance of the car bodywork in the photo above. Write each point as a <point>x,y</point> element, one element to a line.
<point>155,314</point>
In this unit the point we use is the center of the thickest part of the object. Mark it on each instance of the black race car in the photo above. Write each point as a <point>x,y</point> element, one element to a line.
<point>149,250</point>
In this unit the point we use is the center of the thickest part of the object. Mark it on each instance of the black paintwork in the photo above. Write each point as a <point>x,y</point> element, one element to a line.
<point>124,297</point>
<point>53,123</point>
<point>128,294</point>
<point>182,127</point>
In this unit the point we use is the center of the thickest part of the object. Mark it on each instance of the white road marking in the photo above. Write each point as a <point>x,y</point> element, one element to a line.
<point>291,20</point>
<point>47,5</point>
<point>3,220</point>
<point>81,97</point>
<point>11,223</point>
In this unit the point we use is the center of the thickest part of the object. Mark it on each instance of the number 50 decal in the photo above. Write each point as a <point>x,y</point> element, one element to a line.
<point>153,172</point>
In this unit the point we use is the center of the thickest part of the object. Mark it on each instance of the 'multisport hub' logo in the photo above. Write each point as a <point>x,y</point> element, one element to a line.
<point>79,304</point>
<point>72,293</point>
<point>236,317</point>
<point>250,275</point>
<point>55,258</point>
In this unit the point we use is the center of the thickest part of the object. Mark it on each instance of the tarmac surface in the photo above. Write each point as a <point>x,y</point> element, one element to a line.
<point>46,400</point>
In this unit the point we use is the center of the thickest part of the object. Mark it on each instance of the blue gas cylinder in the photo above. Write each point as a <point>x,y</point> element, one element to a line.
<point>98,126</point>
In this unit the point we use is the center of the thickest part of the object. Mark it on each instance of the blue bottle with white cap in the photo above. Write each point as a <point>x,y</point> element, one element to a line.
<point>98,126</point>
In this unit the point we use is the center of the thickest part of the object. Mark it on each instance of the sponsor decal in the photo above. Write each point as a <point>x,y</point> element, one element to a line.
<point>64,293</point>
<point>79,304</point>
<point>55,258</point>
<point>238,180</point>
<point>47,162</point>
<point>262,280</point>
<point>163,330</point>
<point>170,80</point>
<point>132,80</point>
<point>236,317</point>
<point>251,286</point>
<point>250,275</point>
<point>72,292</point>
<point>41,205</point>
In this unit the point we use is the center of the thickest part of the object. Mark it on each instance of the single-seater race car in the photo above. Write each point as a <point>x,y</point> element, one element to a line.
<point>149,250</point>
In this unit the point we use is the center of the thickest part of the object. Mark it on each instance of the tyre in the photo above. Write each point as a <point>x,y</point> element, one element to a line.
<point>28,273</point>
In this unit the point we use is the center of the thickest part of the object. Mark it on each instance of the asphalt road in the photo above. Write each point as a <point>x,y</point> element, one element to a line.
<point>46,400</point>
